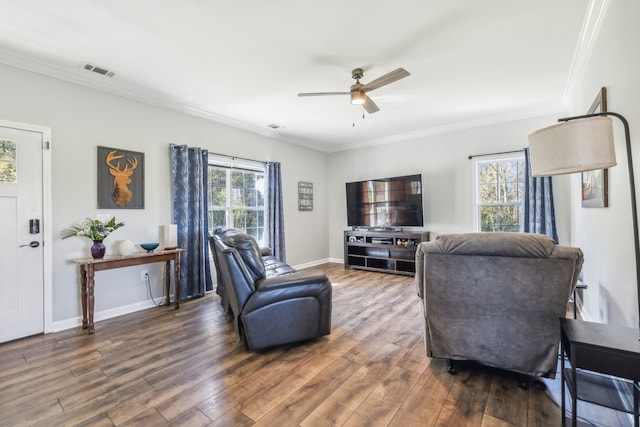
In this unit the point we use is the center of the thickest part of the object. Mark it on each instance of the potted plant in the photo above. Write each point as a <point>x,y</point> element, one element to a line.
<point>95,230</point>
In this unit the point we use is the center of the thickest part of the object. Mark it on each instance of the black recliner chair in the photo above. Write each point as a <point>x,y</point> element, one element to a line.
<point>271,303</point>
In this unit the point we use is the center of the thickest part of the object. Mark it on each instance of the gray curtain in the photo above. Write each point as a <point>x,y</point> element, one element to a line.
<point>539,213</point>
<point>189,182</point>
<point>275,216</point>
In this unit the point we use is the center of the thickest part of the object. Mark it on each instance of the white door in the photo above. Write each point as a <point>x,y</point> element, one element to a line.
<point>21,251</point>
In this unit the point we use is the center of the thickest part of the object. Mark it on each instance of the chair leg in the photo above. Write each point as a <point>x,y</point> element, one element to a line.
<point>539,384</point>
<point>523,382</point>
<point>450,368</point>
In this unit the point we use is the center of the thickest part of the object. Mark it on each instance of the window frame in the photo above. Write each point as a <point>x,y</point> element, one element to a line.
<point>477,205</point>
<point>230,165</point>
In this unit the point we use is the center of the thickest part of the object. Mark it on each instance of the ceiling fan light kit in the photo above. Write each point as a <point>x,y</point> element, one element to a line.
<point>357,97</point>
<point>358,91</point>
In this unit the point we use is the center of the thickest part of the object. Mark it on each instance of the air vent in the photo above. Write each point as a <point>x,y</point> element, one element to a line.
<point>99,70</point>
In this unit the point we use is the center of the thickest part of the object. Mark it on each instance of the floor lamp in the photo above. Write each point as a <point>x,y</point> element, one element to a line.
<point>584,143</point>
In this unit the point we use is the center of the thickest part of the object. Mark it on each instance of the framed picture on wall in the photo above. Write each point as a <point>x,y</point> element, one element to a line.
<point>305,196</point>
<point>120,179</point>
<point>595,184</point>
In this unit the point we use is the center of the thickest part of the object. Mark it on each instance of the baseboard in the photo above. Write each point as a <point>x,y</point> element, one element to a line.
<point>316,263</point>
<point>105,314</point>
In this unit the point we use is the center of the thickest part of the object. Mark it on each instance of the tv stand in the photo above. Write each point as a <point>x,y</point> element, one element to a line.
<point>383,251</point>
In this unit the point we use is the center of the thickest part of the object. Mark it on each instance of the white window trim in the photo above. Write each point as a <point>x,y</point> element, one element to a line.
<point>235,163</point>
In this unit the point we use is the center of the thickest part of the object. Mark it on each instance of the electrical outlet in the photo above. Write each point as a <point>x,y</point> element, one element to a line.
<point>144,274</point>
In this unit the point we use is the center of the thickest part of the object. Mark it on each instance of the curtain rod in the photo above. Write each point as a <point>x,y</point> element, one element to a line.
<point>493,154</point>
<point>236,157</point>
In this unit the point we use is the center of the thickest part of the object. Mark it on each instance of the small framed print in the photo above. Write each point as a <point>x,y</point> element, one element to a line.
<point>305,196</point>
<point>120,179</point>
<point>595,184</point>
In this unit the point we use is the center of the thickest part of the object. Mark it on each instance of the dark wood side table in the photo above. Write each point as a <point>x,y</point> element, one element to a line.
<point>88,267</point>
<point>597,348</point>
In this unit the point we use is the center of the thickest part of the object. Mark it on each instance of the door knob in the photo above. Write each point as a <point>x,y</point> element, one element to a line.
<point>33,244</point>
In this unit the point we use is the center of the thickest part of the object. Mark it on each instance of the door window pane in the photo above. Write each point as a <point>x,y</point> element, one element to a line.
<point>8,161</point>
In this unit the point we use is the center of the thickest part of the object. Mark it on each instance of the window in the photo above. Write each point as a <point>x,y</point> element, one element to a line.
<point>499,194</point>
<point>237,197</point>
<point>8,161</point>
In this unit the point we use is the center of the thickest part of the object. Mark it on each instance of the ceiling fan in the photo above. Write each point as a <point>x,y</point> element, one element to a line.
<point>358,91</point>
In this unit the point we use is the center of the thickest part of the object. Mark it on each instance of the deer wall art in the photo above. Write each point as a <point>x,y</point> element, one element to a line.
<point>123,167</point>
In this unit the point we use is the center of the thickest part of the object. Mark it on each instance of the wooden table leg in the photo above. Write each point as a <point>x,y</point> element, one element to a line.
<point>83,296</point>
<point>167,282</point>
<point>176,267</point>
<point>90,297</point>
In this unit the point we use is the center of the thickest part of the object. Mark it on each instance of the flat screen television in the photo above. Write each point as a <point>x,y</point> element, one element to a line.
<point>387,202</point>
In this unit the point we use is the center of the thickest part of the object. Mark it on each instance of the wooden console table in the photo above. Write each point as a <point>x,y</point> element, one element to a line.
<point>88,267</point>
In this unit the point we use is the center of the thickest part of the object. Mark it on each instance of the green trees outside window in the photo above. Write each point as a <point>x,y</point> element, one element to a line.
<point>500,194</point>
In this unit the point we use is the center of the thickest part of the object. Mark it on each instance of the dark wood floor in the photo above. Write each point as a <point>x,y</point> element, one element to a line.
<point>182,367</point>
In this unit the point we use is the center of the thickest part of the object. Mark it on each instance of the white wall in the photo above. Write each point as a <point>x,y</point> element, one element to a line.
<point>446,174</point>
<point>605,235</point>
<point>83,118</point>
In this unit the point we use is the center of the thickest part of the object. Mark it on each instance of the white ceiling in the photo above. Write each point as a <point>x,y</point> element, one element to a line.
<point>242,62</point>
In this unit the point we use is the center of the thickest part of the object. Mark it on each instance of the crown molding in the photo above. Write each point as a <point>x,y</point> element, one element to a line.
<point>596,11</point>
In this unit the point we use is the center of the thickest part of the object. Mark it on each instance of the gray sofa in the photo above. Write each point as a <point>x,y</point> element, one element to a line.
<point>271,303</point>
<point>495,298</point>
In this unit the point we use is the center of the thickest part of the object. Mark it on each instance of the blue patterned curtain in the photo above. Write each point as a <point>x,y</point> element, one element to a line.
<point>539,214</point>
<point>189,186</point>
<point>275,215</point>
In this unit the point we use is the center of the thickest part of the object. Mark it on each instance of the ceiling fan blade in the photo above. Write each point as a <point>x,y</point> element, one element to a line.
<point>390,77</point>
<point>323,93</point>
<point>369,105</point>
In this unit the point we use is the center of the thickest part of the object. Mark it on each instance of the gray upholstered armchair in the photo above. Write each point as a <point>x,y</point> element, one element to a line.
<point>495,298</point>
<point>271,303</point>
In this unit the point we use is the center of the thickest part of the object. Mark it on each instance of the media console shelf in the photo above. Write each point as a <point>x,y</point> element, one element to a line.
<point>383,251</point>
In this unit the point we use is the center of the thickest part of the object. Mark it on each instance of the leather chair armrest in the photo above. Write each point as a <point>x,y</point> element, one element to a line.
<point>265,251</point>
<point>293,278</point>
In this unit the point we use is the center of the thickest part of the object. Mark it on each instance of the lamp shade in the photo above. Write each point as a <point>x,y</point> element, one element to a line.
<point>573,146</point>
